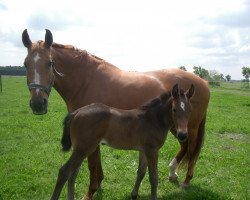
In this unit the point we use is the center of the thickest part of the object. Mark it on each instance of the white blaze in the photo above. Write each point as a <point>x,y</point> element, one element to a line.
<point>182,106</point>
<point>36,58</point>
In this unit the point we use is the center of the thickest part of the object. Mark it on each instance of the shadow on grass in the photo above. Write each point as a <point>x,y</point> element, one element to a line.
<point>193,192</point>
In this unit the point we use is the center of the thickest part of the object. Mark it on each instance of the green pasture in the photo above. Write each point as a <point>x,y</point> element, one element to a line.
<point>30,151</point>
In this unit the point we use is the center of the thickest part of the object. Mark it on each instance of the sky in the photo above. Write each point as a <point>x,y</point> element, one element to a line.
<point>135,35</point>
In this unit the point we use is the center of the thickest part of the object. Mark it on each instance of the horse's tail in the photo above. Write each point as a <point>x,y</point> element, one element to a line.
<point>66,140</point>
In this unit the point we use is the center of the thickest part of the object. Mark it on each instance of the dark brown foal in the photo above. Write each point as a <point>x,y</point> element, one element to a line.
<point>143,129</point>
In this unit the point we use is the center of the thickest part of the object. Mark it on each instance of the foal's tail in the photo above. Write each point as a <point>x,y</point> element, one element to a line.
<point>66,141</point>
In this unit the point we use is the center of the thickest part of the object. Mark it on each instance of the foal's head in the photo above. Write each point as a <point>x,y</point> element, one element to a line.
<point>181,110</point>
<point>39,67</point>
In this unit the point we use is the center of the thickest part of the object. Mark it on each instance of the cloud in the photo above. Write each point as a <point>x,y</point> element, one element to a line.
<point>3,6</point>
<point>238,18</point>
<point>59,20</point>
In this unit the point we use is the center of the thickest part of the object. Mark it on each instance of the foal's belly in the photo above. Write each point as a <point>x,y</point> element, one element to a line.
<point>122,144</point>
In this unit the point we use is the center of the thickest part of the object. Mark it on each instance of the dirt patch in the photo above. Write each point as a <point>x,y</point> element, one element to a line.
<point>235,136</point>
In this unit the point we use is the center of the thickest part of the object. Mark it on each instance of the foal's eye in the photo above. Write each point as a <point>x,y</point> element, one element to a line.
<point>51,64</point>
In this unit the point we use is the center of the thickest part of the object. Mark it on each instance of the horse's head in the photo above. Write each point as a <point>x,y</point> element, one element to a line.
<point>39,67</point>
<point>181,110</point>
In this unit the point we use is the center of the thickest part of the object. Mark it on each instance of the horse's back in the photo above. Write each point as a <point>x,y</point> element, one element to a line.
<point>170,77</point>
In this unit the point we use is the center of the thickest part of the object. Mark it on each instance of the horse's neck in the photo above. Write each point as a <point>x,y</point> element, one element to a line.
<point>76,68</point>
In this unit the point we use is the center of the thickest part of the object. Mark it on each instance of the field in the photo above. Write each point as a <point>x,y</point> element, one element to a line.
<point>30,151</point>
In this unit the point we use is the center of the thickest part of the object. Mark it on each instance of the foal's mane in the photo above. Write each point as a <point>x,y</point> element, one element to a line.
<point>156,102</point>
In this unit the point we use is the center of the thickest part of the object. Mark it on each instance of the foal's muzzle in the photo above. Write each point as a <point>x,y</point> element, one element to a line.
<point>182,136</point>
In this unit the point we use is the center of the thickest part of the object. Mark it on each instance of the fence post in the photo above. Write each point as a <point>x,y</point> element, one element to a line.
<point>1,89</point>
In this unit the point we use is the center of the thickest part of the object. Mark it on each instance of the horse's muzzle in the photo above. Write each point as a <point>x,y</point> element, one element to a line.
<point>182,137</point>
<point>39,106</point>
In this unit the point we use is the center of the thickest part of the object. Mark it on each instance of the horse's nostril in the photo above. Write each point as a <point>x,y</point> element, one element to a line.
<point>31,104</point>
<point>45,102</point>
<point>182,136</point>
<point>39,105</point>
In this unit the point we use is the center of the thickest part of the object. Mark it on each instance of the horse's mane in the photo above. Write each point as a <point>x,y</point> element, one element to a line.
<point>156,102</point>
<point>79,52</point>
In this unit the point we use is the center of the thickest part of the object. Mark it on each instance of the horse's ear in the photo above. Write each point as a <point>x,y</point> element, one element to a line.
<point>190,92</point>
<point>175,91</point>
<point>26,39</point>
<point>48,38</point>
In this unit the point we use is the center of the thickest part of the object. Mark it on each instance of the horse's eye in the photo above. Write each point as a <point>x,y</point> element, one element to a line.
<point>25,65</point>
<point>174,110</point>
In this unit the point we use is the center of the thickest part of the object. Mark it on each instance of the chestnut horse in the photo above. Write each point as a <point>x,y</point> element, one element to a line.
<point>143,129</point>
<point>81,79</point>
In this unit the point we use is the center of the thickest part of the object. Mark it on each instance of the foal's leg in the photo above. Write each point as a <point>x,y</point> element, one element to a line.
<point>140,174</point>
<point>66,171</point>
<point>152,159</point>
<point>96,172</point>
<point>71,184</point>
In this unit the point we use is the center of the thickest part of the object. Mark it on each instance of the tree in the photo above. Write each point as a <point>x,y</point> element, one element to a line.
<point>228,77</point>
<point>246,74</point>
<point>201,72</point>
<point>183,68</point>
<point>216,76</point>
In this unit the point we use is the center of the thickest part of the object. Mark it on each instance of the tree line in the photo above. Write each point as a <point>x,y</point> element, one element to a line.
<point>216,77</point>
<point>12,70</point>
<point>211,76</point>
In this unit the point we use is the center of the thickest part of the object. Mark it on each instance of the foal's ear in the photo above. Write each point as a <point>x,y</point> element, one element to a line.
<point>26,39</point>
<point>190,92</point>
<point>48,38</point>
<point>175,91</point>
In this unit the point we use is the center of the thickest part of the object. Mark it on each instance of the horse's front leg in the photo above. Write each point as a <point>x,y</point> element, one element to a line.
<point>192,155</point>
<point>140,174</point>
<point>96,173</point>
<point>173,165</point>
<point>152,160</point>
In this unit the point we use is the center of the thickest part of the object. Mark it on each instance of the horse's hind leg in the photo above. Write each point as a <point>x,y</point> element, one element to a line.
<point>96,172</point>
<point>65,172</point>
<point>191,159</point>
<point>140,174</point>
<point>195,141</point>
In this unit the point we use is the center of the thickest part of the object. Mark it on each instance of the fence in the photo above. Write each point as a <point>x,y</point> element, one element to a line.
<point>1,88</point>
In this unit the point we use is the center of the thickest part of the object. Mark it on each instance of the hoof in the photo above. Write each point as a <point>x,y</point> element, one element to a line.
<point>173,178</point>
<point>184,186</point>
<point>87,197</point>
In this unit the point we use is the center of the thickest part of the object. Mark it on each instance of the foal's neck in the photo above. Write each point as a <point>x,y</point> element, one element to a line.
<point>161,116</point>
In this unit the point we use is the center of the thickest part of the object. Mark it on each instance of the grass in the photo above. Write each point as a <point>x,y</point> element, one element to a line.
<point>30,151</point>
